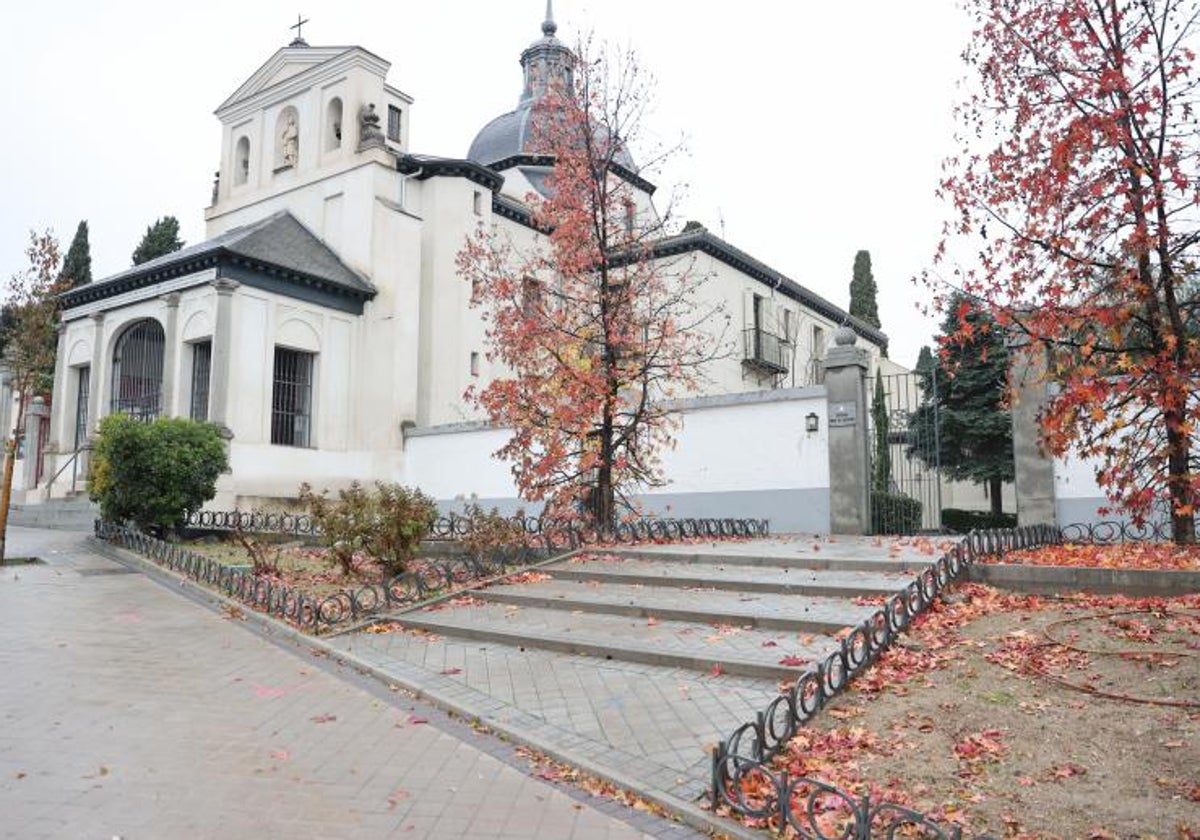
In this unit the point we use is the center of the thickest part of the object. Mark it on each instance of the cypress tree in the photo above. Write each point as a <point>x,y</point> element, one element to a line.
<point>161,238</point>
<point>863,304</point>
<point>77,266</point>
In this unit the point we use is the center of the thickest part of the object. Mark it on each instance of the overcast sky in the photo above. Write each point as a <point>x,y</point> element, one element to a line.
<point>813,129</point>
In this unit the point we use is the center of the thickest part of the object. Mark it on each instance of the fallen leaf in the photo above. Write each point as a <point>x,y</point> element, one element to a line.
<point>324,718</point>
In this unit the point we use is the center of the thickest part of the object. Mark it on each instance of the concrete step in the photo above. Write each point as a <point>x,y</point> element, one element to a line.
<point>608,568</point>
<point>766,610</point>
<point>800,558</point>
<point>75,513</point>
<point>742,651</point>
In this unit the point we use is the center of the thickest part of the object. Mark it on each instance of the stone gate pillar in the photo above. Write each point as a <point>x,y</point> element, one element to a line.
<point>36,410</point>
<point>1034,469</point>
<point>846,369</point>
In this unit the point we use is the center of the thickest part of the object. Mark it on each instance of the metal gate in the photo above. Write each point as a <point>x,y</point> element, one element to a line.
<point>905,468</point>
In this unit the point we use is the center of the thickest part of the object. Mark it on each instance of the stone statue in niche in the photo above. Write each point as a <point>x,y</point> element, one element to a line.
<point>216,185</point>
<point>369,133</point>
<point>290,139</point>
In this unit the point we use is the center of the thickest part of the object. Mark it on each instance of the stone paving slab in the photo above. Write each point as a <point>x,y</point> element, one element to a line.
<point>665,572</point>
<point>652,721</point>
<point>126,710</point>
<point>738,650</point>
<point>763,610</point>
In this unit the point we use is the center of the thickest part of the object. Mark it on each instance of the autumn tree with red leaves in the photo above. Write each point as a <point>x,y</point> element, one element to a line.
<point>1078,182</point>
<point>595,332</point>
<point>29,343</point>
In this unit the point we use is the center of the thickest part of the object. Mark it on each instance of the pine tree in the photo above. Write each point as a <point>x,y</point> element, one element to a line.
<point>77,266</point>
<point>863,305</point>
<point>161,238</point>
<point>965,384</point>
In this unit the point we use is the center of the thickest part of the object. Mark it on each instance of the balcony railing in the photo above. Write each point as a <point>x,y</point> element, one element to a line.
<point>765,352</point>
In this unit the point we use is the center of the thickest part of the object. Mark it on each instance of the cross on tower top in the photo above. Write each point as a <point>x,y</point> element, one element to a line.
<point>298,41</point>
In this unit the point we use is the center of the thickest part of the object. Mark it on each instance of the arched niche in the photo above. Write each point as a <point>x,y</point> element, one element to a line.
<point>241,161</point>
<point>80,353</point>
<point>198,325</point>
<point>299,335</point>
<point>333,125</point>
<point>287,138</point>
<point>137,369</point>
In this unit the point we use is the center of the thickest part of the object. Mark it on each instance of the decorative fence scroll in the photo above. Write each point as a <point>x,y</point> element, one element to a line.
<point>425,578</point>
<point>318,613</point>
<point>745,754</point>
<point>550,532</point>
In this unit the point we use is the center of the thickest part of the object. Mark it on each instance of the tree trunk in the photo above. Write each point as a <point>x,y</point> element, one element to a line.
<point>1183,520</point>
<point>996,492</point>
<point>10,455</point>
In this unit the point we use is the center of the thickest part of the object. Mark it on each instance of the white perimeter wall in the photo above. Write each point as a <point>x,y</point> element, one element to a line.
<point>744,455</point>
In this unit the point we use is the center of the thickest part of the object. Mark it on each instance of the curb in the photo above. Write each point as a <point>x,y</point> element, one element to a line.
<point>687,812</point>
<point>1053,579</point>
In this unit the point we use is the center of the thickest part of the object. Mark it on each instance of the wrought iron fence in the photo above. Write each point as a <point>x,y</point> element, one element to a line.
<point>1117,531</point>
<point>550,532</point>
<point>747,751</point>
<point>316,613</point>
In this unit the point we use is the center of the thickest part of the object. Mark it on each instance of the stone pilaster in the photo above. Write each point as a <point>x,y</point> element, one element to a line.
<point>95,397</point>
<point>846,369</point>
<point>222,350</point>
<point>1034,469</point>
<point>169,399</point>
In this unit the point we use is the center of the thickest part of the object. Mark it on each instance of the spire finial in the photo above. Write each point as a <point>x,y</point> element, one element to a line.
<point>549,27</point>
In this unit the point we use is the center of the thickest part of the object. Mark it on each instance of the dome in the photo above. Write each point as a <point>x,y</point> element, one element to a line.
<point>545,63</point>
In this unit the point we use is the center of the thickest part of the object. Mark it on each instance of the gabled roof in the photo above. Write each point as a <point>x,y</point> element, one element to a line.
<point>277,248</point>
<point>292,61</point>
<point>699,239</point>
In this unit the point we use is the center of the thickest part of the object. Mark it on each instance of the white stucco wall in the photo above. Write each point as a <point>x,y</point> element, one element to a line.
<point>744,456</point>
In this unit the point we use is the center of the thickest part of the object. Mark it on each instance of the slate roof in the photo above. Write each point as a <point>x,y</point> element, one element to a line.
<point>278,245</point>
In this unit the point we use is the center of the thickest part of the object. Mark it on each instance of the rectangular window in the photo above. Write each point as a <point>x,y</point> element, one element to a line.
<point>477,203</point>
<point>474,364</point>
<point>82,387</point>
<point>818,343</point>
<point>201,367</point>
<point>291,398</point>
<point>393,132</point>
<point>789,326</point>
<point>531,296</point>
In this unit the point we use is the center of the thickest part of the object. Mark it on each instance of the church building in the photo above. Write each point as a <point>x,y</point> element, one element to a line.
<point>322,321</point>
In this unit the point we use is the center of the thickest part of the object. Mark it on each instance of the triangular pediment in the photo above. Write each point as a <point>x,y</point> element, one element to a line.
<point>285,64</point>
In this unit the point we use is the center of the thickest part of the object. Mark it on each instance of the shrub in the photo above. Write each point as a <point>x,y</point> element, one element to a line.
<point>155,473</point>
<point>387,523</point>
<point>964,521</point>
<point>491,534</point>
<point>894,513</point>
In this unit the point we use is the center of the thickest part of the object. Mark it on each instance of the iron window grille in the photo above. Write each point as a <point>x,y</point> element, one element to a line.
<point>291,398</point>
<point>393,128</point>
<point>82,389</point>
<point>201,370</point>
<point>138,370</point>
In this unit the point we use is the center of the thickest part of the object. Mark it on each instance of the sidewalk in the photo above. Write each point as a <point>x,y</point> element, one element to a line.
<point>128,710</point>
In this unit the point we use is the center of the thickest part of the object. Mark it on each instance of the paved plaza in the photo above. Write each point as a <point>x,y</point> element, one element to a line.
<point>635,662</point>
<point>129,710</point>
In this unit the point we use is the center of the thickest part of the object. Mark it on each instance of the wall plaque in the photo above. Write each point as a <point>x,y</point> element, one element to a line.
<point>843,414</point>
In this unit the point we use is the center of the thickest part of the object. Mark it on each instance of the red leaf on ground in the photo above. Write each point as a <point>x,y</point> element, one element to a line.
<point>451,671</point>
<point>323,718</point>
<point>716,670</point>
<point>793,661</point>
<point>416,720</point>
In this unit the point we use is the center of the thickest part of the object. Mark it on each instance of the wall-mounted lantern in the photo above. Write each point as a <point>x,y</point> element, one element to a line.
<point>811,422</point>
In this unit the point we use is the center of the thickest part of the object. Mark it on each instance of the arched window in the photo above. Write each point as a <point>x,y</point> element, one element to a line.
<point>287,138</point>
<point>241,161</point>
<point>333,125</point>
<point>138,370</point>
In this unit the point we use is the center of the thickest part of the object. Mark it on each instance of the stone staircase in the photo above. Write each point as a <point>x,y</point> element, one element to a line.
<point>73,513</point>
<point>638,658</point>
